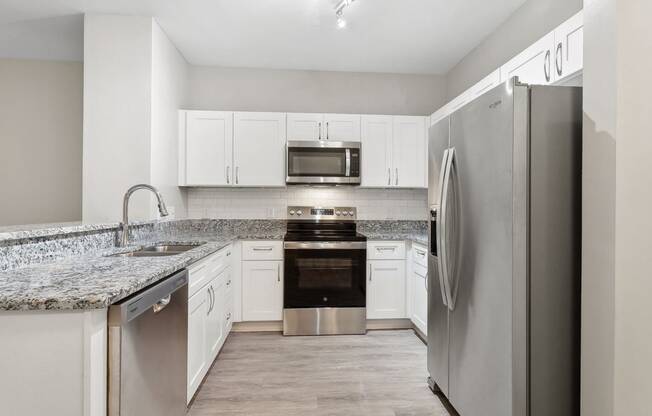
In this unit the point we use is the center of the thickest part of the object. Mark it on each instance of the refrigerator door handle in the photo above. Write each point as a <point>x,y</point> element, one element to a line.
<point>452,263</point>
<point>439,232</point>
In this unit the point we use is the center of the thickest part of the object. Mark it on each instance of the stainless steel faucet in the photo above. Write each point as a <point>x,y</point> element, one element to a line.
<point>125,209</point>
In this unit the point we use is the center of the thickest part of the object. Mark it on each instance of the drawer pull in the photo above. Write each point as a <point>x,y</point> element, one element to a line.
<point>420,253</point>
<point>386,248</point>
<point>263,248</point>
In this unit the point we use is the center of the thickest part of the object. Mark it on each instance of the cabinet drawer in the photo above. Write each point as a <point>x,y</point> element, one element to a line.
<point>203,271</point>
<point>419,255</point>
<point>262,250</point>
<point>386,250</point>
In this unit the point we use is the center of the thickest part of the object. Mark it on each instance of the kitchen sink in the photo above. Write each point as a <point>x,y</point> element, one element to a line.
<point>159,250</point>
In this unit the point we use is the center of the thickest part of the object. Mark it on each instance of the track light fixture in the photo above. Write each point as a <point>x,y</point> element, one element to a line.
<point>339,12</point>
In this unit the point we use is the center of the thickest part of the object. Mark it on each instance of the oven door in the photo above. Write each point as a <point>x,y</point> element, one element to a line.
<point>325,274</point>
<point>323,162</point>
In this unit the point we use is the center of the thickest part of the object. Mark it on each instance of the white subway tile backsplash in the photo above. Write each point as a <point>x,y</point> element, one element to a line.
<point>260,203</point>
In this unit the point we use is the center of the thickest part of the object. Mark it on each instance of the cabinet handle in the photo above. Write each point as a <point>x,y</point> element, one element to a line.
<point>385,248</point>
<point>327,130</point>
<point>228,168</point>
<point>559,59</point>
<point>420,253</point>
<point>320,130</point>
<point>237,176</point>
<point>278,272</point>
<point>370,272</point>
<point>425,281</point>
<point>228,253</point>
<point>228,283</point>
<point>546,66</point>
<point>262,248</point>
<point>396,177</point>
<point>210,301</point>
<point>389,176</point>
<point>228,316</point>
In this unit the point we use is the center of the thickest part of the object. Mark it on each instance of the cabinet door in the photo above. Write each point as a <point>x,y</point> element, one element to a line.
<point>569,39</point>
<point>534,65</point>
<point>376,151</point>
<point>409,156</point>
<point>197,352</point>
<point>386,289</point>
<point>262,290</point>
<point>215,318</point>
<point>206,148</point>
<point>259,149</point>
<point>420,298</point>
<point>342,127</point>
<point>304,126</point>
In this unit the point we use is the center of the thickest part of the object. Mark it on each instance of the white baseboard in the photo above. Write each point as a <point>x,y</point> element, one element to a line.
<point>277,326</point>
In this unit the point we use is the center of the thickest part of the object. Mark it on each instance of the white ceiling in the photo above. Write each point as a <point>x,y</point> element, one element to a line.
<point>395,36</point>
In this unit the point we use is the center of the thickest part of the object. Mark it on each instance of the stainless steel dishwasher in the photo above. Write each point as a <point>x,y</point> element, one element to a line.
<point>148,350</point>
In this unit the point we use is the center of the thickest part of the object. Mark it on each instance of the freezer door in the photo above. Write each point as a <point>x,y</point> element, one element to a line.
<point>437,309</point>
<point>480,324</point>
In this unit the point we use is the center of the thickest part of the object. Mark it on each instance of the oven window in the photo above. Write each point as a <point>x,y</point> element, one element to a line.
<point>325,273</point>
<point>316,162</point>
<point>324,278</point>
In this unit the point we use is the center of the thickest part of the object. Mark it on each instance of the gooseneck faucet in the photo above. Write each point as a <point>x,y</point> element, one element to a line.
<point>125,209</point>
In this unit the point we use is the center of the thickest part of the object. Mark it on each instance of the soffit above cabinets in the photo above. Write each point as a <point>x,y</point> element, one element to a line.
<point>387,36</point>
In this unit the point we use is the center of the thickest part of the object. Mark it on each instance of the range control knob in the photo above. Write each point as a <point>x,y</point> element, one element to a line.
<point>338,212</point>
<point>291,212</point>
<point>299,212</point>
<point>351,213</point>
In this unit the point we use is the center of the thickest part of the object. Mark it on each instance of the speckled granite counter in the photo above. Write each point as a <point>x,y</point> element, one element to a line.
<point>84,278</point>
<point>415,231</point>
<point>65,266</point>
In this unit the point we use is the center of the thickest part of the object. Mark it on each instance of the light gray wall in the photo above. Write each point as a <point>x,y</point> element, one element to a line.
<point>599,208</point>
<point>241,89</point>
<point>633,308</point>
<point>40,141</point>
<point>529,23</point>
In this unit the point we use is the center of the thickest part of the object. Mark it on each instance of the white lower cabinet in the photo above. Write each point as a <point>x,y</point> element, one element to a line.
<point>262,280</point>
<point>262,290</point>
<point>386,289</point>
<point>208,306</point>
<point>420,298</point>
<point>197,351</point>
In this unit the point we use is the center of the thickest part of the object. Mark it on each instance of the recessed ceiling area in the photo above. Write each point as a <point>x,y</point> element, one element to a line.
<point>389,36</point>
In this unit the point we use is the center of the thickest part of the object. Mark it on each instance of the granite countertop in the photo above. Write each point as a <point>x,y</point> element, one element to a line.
<point>417,237</point>
<point>95,281</point>
<point>92,280</point>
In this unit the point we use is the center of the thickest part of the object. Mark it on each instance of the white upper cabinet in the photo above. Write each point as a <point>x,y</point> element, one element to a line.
<point>205,147</point>
<point>377,134</point>
<point>409,155</point>
<point>259,149</point>
<point>394,151</point>
<point>534,65</point>
<point>304,126</point>
<point>569,39</point>
<point>317,126</point>
<point>341,127</point>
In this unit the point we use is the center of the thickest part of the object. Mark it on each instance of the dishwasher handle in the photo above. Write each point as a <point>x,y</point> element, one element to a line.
<point>156,297</point>
<point>161,304</point>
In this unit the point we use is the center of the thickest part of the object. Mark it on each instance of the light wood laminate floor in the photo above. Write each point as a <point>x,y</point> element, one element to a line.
<point>382,373</point>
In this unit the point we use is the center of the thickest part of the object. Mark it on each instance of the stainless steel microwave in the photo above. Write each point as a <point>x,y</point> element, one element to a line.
<point>323,162</point>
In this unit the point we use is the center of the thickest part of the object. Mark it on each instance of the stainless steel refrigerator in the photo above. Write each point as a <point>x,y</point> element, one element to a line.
<point>504,240</point>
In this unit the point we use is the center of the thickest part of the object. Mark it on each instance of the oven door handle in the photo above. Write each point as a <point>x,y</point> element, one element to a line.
<point>325,245</point>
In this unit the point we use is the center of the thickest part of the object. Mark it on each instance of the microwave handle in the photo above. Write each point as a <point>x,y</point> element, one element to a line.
<point>348,162</point>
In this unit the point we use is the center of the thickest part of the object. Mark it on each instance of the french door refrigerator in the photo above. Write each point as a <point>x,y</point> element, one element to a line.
<point>504,252</point>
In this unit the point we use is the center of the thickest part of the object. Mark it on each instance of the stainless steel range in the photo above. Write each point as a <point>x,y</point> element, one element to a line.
<point>325,272</point>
